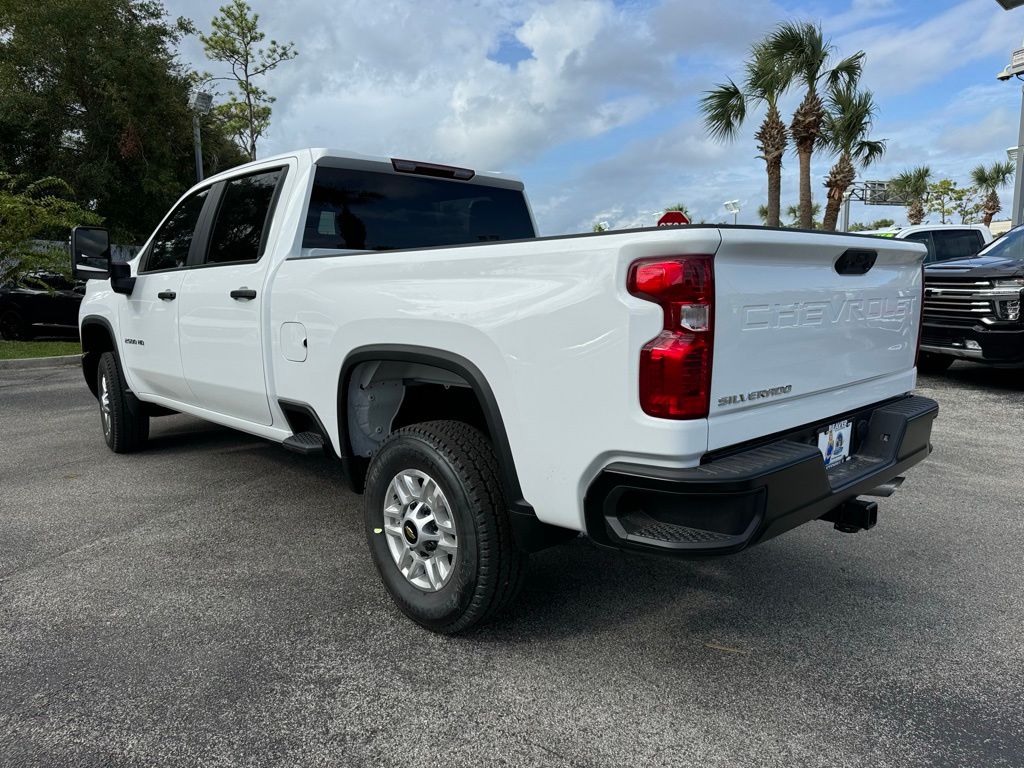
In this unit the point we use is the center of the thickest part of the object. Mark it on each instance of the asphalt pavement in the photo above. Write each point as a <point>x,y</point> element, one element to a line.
<point>211,602</point>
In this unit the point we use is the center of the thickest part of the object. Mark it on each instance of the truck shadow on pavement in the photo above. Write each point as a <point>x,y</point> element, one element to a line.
<point>812,578</point>
<point>978,377</point>
<point>744,602</point>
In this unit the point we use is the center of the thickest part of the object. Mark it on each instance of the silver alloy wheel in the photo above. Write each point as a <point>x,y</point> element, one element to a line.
<point>105,405</point>
<point>420,530</point>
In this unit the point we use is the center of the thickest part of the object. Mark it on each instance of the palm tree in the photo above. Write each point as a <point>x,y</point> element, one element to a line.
<point>679,207</point>
<point>845,130</point>
<point>801,51</point>
<point>912,186</point>
<point>725,108</point>
<point>793,212</point>
<point>990,180</point>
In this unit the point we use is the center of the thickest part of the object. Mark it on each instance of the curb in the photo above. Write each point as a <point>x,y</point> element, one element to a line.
<point>39,362</point>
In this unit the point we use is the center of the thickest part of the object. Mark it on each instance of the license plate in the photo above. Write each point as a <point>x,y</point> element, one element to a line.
<point>834,443</point>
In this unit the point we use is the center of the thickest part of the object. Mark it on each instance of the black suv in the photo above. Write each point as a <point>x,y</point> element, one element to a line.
<point>45,304</point>
<point>972,307</point>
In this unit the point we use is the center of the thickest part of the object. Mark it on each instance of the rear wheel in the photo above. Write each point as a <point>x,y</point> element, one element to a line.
<point>124,429</point>
<point>929,362</point>
<point>14,327</point>
<point>438,527</point>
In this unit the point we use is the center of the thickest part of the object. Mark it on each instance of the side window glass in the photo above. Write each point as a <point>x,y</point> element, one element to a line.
<point>169,249</point>
<point>923,237</point>
<point>956,244</point>
<point>238,231</point>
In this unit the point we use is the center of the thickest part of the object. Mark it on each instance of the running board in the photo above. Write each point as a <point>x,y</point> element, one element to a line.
<point>306,443</point>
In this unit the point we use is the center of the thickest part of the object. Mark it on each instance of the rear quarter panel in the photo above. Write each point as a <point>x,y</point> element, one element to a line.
<point>547,322</point>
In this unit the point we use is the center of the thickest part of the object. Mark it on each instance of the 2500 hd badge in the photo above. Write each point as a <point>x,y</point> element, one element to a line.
<point>758,394</point>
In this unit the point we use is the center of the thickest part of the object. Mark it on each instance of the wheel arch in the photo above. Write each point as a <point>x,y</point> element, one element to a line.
<point>446,361</point>
<point>97,337</point>
<point>530,533</point>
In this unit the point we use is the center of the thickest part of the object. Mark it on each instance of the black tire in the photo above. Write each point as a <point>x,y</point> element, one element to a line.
<point>929,362</point>
<point>14,327</point>
<point>125,429</point>
<point>487,569</point>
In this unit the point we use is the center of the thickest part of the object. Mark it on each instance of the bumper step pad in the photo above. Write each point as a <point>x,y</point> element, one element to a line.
<point>641,528</point>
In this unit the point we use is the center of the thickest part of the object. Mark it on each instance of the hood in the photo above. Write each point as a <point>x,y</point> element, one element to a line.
<point>978,266</point>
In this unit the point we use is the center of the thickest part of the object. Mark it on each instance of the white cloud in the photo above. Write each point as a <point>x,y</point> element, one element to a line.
<point>905,56</point>
<point>602,107</point>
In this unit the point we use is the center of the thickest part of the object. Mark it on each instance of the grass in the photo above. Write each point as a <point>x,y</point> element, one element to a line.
<point>19,350</point>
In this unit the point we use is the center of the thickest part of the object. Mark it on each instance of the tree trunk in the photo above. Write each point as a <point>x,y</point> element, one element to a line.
<point>806,130</point>
<point>832,207</point>
<point>992,207</point>
<point>806,204</point>
<point>915,212</point>
<point>771,142</point>
<point>839,180</point>
<point>774,168</point>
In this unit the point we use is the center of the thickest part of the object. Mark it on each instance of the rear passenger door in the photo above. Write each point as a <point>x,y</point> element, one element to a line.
<point>222,298</point>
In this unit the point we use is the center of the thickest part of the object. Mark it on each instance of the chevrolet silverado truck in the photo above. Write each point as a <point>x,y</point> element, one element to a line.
<point>679,391</point>
<point>972,308</point>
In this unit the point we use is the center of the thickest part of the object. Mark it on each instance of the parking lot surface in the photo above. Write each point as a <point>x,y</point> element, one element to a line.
<point>211,602</point>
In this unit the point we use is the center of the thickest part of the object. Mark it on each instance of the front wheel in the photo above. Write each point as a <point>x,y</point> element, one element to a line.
<point>929,362</point>
<point>124,429</point>
<point>438,528</point>
<point>14,327</point>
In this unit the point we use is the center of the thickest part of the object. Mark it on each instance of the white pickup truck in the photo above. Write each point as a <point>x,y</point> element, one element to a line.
<point>684,391</point>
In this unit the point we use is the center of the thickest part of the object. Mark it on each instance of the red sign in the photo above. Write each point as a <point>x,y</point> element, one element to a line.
<point>673,219</point>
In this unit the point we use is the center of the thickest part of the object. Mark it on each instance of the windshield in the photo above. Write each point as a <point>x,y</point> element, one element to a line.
<point>1009,246</point>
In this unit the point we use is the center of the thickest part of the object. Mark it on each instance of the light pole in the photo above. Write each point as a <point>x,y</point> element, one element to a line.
<point>201,103</point>
<point>844,226</point>
<point>733,206</point>
<point>1014,69</point>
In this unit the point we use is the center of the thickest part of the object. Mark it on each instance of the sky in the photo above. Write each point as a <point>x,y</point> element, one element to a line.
<point>595,103</point>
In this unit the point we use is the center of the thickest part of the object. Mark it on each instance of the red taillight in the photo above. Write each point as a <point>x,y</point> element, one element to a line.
<point>675,366</point>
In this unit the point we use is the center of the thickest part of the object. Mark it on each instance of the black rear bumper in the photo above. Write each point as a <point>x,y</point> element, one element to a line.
<point>741,499</point>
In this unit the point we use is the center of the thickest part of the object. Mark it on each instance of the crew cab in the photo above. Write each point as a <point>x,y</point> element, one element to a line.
<point>679,391</point>
<point>972,307</point>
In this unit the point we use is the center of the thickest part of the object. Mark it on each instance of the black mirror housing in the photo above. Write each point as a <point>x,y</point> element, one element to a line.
<point>121,279</point>
<point>90,253</point>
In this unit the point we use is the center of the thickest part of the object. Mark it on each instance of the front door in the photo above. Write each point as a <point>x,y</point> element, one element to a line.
<point>222,299</point>
<point>149,318</point>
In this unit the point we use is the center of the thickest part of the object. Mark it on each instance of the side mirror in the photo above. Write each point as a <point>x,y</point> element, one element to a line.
<point>121,279</point>
<point>90,253</point>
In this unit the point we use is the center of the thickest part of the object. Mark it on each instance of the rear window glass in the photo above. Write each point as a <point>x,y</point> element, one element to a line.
<point>365,210</point>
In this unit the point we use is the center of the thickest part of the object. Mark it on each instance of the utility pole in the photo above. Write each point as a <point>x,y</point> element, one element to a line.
<point>1018,179</point>
<point>1015,69</point>
<point>201,103</point>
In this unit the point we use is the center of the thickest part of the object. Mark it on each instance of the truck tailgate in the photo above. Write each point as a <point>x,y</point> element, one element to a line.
<point>796,341</point>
